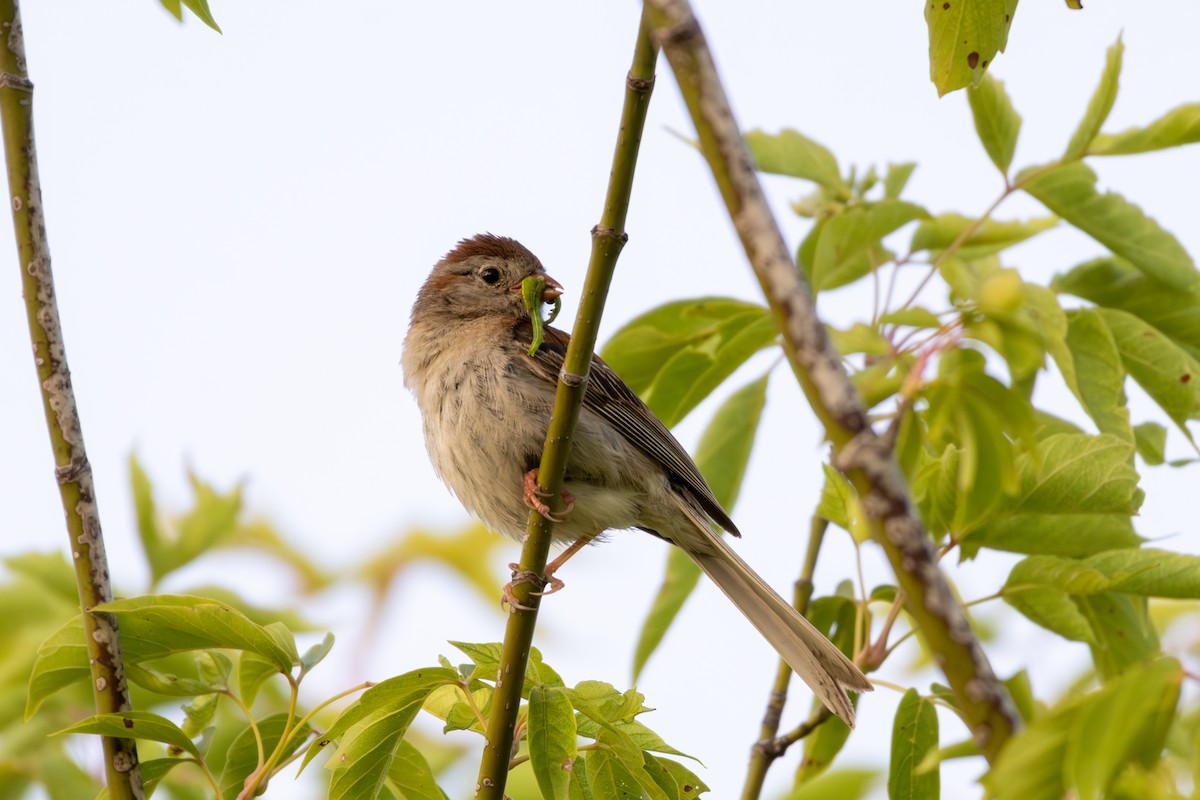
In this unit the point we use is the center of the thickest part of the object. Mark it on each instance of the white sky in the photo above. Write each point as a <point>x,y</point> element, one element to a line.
<point>239,224</point>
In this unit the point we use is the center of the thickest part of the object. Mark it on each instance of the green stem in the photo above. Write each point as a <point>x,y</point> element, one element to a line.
<point>865,459</point>
<point>72,470</point>
<point>607,240</point>
<point>763,755</point>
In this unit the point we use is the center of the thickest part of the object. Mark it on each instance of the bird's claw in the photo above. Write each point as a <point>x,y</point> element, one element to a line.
<point>533,498</point>
<point>509,600</point>
<point>554,583</point>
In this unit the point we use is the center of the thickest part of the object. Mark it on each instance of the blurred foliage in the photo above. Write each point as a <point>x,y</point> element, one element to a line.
<point>203,663</point>
<point>953,382</point>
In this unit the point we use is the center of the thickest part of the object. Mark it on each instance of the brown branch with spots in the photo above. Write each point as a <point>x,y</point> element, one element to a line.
<point>72,471</point>
<point>865,459</point>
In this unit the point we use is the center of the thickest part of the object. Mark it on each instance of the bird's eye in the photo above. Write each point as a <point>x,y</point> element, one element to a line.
<point>490,275</point>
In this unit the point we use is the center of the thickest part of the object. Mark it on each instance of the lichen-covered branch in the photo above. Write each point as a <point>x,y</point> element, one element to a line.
<point>71,467</point>
<point>607,240</point>
<point>858,451</point>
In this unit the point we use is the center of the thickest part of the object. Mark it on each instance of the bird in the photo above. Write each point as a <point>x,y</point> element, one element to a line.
<point>485,405</point>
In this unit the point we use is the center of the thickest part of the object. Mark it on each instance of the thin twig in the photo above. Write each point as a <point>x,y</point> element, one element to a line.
<point>72,470</point>
<point>607,240</point>
<point>858,451</point>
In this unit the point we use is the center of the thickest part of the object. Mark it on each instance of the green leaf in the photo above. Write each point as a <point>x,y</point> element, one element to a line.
<point>609,777</point>
<point>1030,767</point>
<point>1114,283</point>
<point>1151,441</point>
<point>1048,320</point>
<point>210,521</point>
<point>1077,473</point>
<point>842,784</point>
<point>689,784</point>
<point>1130,725</point>
<point>241,758</point>
<point>724,449</point>
<point>913,317</point>
<point>155,769</point>
<point>214,668</point>
<point>1099,374</point>
<point>1123,636</point>
<point>200,9</point>
<point>1052,609</point>
<point>914,735</point>
<point>1070,192</point>
<point>1021,691</point>
<point>1152,572</point>
<point>1178,126</point>
<point>253,672</point>
<point>149,526</point>
<point>580,789</point>
<point>849,243</point>
<point>859,338</point>
<point>185,622</point>
<point>722,456</point>
<point>316,654</point>
<point>981,417</point>
<point>935,489</point>
<point>369,730</point>
<point>664,782</point>
<point>174,7</point>
<point>1168,374</point>
<point>411,775</point>
<point>1068,535</point>
<point>485,656</point>
<point>1100,104</point>
<point>821,747</point>
<point>964,37</point>
<point>680,578</point>
<point>603,703</point>
<point>791,153</point>
<point>897,178</point>
<point>987,237</point>
<point>167,684</point>
<point>881,380</point>
<point>199,714</point>
<point>637,732</point>
<point>135,725</point>
<point>551,731</point>
<point>675,355</point>
<point>841,505</point>
<point>61,661</point>
<point>1091,599</point>
<point>448,703</point>
<point>996,121</point>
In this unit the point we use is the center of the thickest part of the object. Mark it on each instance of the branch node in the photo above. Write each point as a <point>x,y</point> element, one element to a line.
<point>571,379</point>
<point>639,85</point>
<point>605,232</point>
<point>9,80</point>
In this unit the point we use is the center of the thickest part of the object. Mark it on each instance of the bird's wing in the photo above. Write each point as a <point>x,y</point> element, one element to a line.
<point>606,395</point>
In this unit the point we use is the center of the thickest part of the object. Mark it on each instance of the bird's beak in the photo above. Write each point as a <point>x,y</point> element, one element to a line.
<point>550,292</point>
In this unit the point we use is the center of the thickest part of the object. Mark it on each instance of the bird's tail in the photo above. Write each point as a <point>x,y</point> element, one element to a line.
<point>818,662</point>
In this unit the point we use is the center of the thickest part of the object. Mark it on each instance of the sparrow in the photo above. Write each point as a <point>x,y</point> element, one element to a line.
<point>485,405</point>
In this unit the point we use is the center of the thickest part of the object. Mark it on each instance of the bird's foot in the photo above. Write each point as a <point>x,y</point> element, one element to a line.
<point>534,494</point>
<point>509,600</point>
<point>554,583</point>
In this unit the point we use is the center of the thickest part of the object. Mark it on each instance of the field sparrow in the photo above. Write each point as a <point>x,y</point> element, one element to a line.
<point>486,406</point>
